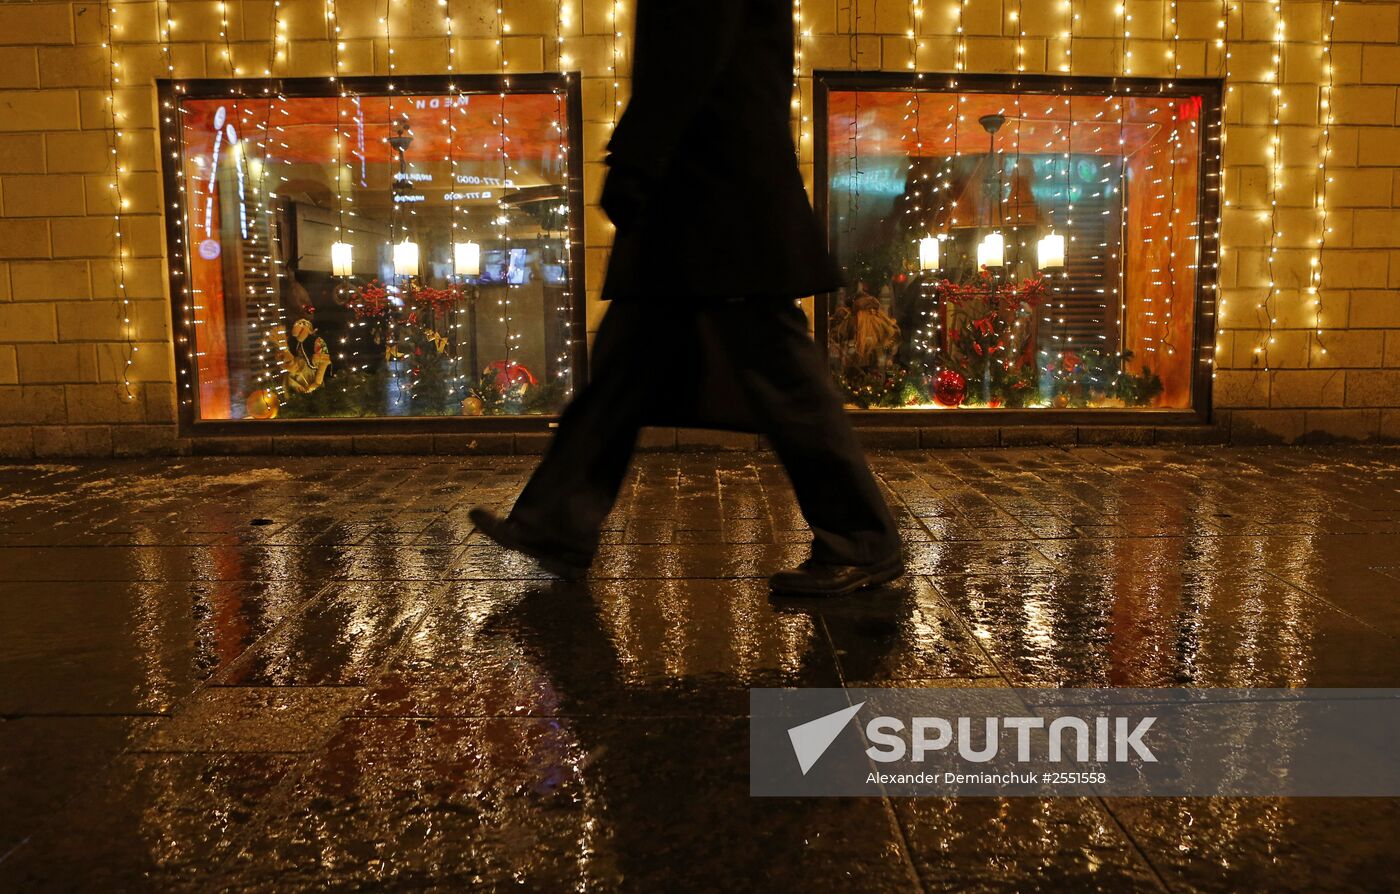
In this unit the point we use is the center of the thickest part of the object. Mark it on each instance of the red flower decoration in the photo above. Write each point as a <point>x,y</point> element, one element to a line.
<point>437,299</point>
<point>371,300</point>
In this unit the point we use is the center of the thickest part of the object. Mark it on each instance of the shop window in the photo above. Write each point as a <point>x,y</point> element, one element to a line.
<point>374,253</point>
<point>1025,247</point>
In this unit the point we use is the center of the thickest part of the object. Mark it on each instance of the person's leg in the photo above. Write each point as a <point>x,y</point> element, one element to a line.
<point>784,376</point>
<point>576,483</point>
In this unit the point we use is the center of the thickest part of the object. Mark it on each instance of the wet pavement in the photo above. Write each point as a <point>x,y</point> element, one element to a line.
<point>277,674</point>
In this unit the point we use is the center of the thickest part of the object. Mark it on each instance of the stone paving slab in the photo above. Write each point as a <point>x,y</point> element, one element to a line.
<point>309,673</point>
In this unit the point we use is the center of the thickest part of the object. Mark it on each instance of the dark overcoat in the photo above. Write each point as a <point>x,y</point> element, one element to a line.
<point>703,183</point>
<point>707,133</point>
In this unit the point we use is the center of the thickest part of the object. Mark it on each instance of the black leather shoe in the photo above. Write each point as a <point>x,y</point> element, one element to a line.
<point>559,561</point>
<point>813,578</point>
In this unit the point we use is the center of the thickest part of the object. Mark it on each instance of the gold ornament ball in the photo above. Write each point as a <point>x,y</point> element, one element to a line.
<point>262,404</point>
<point>1061,401</point>
<point>472,406</point>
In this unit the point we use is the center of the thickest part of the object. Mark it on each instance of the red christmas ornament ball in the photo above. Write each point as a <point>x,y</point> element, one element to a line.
<point>949,388</point>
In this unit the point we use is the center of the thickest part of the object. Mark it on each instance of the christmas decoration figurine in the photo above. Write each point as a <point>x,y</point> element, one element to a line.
<point>867,334</point>
<point>305,373</point>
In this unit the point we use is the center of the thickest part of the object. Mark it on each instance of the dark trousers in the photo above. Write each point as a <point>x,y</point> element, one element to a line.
<point>782,377</point>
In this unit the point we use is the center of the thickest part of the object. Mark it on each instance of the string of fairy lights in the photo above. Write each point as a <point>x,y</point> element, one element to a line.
<point>564,360</point>
<point>1174,48</point>
<point>342,249</point>
<point>226,38</point>
<point>854,174</point>
<point>165,23</point>
<point>960,50</point>
<point>614,58</point>
<point>1056,305</point>
<point>1120,250</point>
<point>1275,158</point>
<point>405,253</point>
<point>1222,44</point>
<point>1125,47</point>
<point>1067,36</point>
<point>466,253</point>
<point>503,218</point>
<point>1324,178</point>
<point>267,326</point>
<point>119,203</point>
<point>916,18</point>
<point>1018,24</point>
<point>799,117</point>
<point>230,49</point>
<point>924,338</point>
<point>912,136</point>
<point>1165,329</point>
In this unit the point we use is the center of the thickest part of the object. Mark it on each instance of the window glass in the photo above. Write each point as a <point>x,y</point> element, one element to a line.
<point>1013,250</point>
<point>365,256</point>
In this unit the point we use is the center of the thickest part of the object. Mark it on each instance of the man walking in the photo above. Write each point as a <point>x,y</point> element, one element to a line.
<point>715,239</point>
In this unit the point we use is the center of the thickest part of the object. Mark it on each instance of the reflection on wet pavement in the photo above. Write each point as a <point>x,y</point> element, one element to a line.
<point>362,693</point>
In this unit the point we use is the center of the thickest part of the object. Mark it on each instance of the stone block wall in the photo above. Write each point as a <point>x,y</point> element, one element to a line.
<point>1289,371</point>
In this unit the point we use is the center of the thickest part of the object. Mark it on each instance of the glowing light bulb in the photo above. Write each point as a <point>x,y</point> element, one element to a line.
<point>928,253</point>
<point>1050,251</point>
<point>406,258</point>
<point>991,251</point>
<point>466,259</point>
<point>342,259</point>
